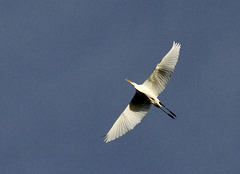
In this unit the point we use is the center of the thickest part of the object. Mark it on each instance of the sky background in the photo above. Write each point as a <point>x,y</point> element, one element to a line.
<point>62,71</point>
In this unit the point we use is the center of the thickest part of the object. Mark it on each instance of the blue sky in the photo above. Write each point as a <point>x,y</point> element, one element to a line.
<point>63,65</point>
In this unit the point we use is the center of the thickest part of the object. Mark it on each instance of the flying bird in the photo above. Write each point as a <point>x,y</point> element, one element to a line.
<point>146,94</point>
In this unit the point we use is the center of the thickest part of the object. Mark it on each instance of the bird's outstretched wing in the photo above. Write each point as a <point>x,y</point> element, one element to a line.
<point>157,81</point>
<point>131,116</point>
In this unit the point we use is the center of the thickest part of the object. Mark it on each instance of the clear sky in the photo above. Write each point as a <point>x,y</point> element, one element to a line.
<point>62,71</point>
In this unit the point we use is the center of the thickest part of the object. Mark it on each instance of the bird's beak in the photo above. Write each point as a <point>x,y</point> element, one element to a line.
<point>129,81</point>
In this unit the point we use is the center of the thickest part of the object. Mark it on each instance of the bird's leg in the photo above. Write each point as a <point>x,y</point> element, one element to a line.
<point>171,114</point>
<point>168,109</point>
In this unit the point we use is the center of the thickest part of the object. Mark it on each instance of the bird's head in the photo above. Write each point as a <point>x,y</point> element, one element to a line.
<point>133,83</point>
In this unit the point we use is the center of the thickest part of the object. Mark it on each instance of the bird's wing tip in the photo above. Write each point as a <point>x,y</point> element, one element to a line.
<point>106,139</point>
<point>175,44</point>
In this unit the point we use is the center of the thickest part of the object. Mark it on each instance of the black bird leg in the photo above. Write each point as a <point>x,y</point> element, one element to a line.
<point>171,114</point>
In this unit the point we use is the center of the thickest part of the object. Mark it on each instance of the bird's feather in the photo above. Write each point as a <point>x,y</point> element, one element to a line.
<point>157,81</point>
<point>131,116</point>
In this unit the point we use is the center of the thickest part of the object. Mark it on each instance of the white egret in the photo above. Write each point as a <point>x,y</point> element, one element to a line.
<point>146,94</point>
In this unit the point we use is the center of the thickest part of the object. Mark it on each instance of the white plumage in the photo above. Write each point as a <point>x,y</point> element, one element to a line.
<point>146,94</point>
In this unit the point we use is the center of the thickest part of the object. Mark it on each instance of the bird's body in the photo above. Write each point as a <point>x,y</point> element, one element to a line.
<point>144,90</point>
<point>146,94</point>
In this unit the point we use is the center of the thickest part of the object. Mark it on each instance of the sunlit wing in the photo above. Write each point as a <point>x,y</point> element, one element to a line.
<point>157,81</point>
<point>131,116</point>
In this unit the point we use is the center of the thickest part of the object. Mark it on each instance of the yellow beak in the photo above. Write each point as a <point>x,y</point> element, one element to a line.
<point>128,81</point>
